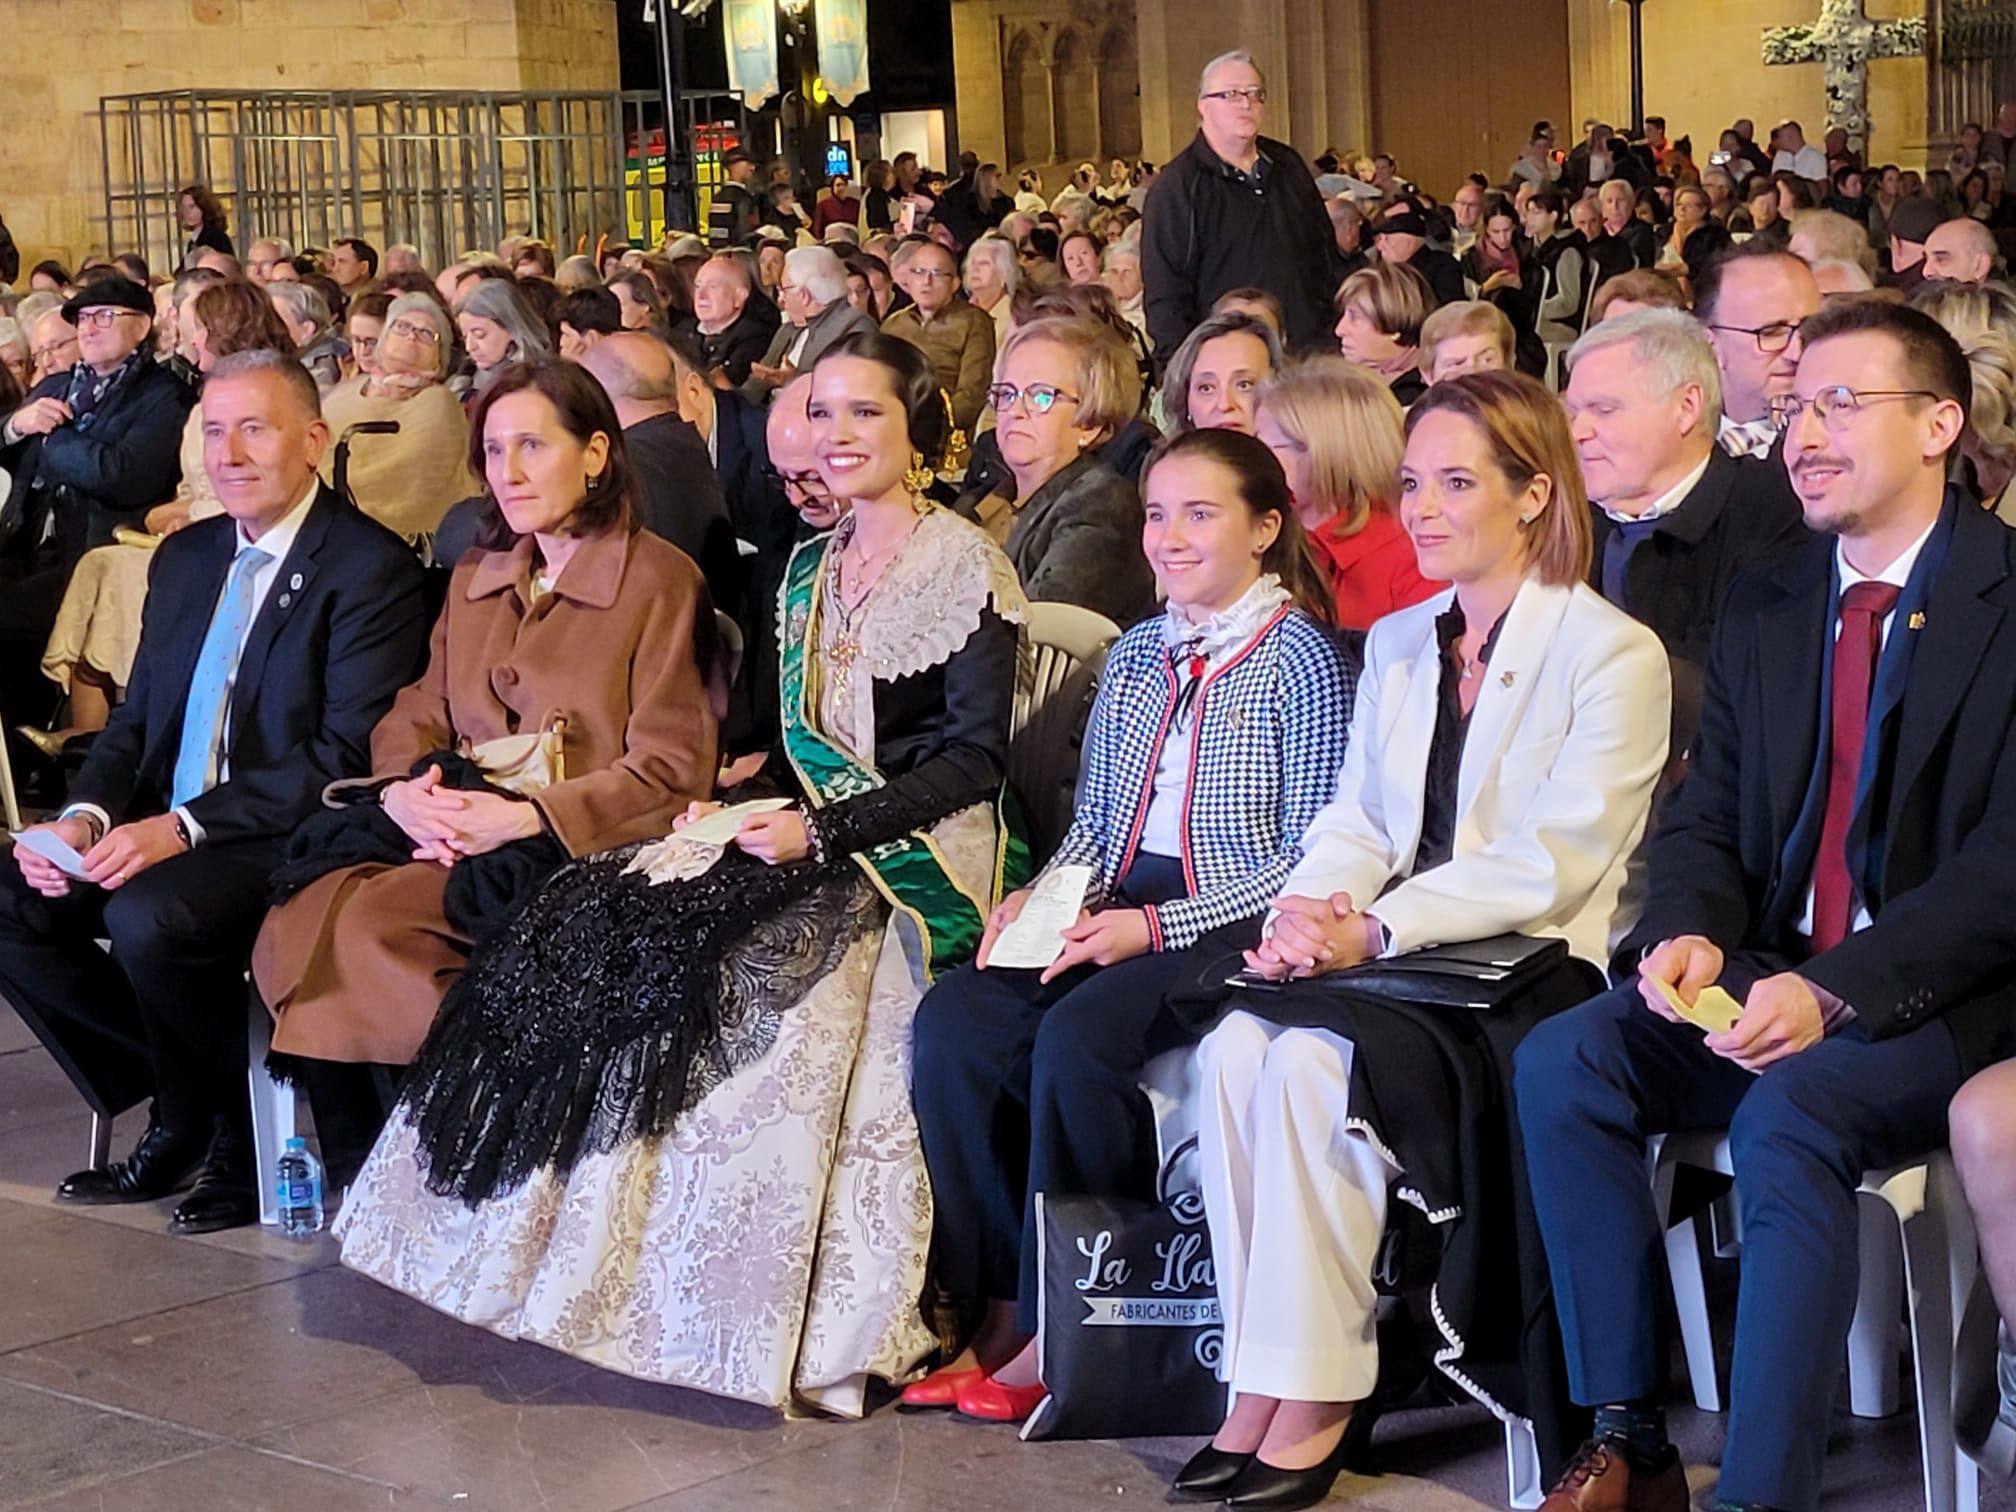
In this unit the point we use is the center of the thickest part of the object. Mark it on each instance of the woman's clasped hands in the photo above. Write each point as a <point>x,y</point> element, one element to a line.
<point>447,824</point>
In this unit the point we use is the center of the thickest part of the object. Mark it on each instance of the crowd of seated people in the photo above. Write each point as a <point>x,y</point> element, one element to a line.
<point>574,700</point>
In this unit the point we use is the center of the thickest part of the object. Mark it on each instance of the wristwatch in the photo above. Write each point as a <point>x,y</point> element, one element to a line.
<point>182,830</point>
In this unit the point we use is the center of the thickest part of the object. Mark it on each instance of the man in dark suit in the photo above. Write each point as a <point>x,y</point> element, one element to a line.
<point>1840,859</point>
<point>274,639</point>
<point>681,495</point>
<point>90,449</point>
<point>1676,519</point>
<point>765,526</point>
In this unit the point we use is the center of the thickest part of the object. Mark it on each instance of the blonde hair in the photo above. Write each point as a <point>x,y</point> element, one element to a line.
<point>1834,237</point>
<point>1527,432</point>
<point>1641,286</point>
<point>1397,298</point>
<point>1104,373</point>
<point>1982,319</point>
<point>1468,317</point>
<point>1353,429</point>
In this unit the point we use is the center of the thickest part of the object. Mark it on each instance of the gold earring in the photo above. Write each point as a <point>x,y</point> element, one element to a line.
<point>919,477</point>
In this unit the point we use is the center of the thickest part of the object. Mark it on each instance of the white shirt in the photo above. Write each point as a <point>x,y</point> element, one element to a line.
<point>276,543</point>
<point>1667,502</point>
<point>1809,162</point>
<point>1221,637</point>
<point>1897,574</point>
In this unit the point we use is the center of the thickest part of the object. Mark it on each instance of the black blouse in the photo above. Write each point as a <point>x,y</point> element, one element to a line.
<point>1445,747</point>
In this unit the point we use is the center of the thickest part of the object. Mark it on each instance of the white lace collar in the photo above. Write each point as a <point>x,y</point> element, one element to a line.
<point>1228,630</point>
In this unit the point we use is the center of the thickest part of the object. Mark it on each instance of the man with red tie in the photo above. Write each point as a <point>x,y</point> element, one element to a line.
<point>1840,858</point>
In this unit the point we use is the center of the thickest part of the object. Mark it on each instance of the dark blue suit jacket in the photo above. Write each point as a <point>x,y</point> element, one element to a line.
<point>1935,834</point>
<point>342,630</point>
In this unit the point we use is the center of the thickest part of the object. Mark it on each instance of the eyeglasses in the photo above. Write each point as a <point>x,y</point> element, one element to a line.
<point>1772,338</point>
<point>101,318</point>
<point>1040,398</point>
<point>54,348</point>
<point>412,331</point>
<point>932,275</point>
<point>1253,94</point>
<point>363,344</point>
<point>801,487</point>
<point>1838,404</point>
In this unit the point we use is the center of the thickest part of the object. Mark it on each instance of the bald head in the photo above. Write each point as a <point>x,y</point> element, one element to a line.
<point>788,436</point>
<point>635,370</point>
<point>1962,250</point>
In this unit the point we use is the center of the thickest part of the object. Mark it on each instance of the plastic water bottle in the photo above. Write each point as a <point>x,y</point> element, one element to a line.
<point>300,1190</point>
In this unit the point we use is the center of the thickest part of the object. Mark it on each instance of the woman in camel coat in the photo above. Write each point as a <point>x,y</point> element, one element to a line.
<point>581,627</point>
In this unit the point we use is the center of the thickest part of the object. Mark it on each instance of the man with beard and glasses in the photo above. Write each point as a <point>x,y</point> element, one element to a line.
<point>1839,859</point>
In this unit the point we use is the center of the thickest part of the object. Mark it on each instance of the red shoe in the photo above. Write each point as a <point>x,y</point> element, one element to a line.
<point>941,1388</point>
<point>990,1401</point>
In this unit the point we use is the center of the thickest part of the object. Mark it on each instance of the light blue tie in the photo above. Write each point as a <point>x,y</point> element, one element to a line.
<point>198,761</point>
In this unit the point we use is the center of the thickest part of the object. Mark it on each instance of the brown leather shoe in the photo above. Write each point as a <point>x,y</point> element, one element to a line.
<point>1599,1479</point>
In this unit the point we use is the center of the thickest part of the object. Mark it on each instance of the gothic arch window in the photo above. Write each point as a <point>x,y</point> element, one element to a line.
<point>1025,101</point>
<point>1120,94</point>
<point>1074,76</point>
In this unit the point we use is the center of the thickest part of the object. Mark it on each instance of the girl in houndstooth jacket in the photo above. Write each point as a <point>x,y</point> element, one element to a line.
<point>1217,735</point>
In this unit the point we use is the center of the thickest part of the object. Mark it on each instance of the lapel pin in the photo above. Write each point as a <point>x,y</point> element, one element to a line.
<point>1917,620</point>
<point>295,582</point>
<point>1505,679</point>
<point>286,599</point>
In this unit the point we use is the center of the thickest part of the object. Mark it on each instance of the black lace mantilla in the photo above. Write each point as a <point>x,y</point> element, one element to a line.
<point>610,1006</point>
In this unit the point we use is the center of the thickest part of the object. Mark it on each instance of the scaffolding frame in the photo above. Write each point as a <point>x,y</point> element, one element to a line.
<point>445,170</point>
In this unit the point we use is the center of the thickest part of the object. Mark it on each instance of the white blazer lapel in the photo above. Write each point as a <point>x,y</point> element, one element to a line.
<point>1509,683</point>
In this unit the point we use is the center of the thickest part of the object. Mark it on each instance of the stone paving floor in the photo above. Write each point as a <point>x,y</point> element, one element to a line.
<point>145,1373</point>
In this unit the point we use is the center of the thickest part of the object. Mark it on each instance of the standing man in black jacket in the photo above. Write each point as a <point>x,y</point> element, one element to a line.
<point>1236,210</point>
<point>732,213</point>
<point>1840,859</point>
<point>90,449</point>
<point>275,637</point>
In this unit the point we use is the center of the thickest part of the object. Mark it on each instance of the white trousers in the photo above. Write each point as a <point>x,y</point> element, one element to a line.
<point>1296,1204</point>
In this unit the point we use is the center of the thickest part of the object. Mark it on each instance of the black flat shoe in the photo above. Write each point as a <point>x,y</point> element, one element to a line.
<point>227,1192</point>
<point>1208,1475</point>
<point>1262,1485</point>
<point>160,1165</point>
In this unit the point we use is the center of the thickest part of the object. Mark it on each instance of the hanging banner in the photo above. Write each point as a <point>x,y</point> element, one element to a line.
<point>751,30</point>
<point>843,47</point>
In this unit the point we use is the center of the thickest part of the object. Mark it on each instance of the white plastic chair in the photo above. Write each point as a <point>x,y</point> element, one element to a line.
<point>273,1117</point>
<point>1063,648</point>
<point>1917,1249</point>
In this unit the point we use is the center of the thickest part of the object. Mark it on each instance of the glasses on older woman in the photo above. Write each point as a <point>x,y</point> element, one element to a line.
<point>1040,397</point>
<point>412,330</point>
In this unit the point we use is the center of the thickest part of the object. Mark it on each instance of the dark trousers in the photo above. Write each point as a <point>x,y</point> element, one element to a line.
<point>1022,1088</point>
<point>30,595</point>
<point>165,1013</point>
<point>1595,1082</point>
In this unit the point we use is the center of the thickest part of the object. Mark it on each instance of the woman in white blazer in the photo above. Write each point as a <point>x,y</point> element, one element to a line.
<point>1507,737</point>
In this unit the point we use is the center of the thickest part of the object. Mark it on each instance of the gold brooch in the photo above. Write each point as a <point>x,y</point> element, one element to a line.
<point>1917,620</point>
<point>1505,679</point>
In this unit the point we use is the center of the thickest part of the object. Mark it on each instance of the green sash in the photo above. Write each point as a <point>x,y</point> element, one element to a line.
<point>911,872</point>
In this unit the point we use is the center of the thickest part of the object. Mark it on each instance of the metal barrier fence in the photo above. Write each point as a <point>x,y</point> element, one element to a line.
<point>444,170</point>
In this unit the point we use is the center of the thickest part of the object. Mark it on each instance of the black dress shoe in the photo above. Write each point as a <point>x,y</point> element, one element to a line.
<point>1208,1475</point>
<point>227,1191</point>
<point>1262,1485</point>
<point>159,1165</point>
